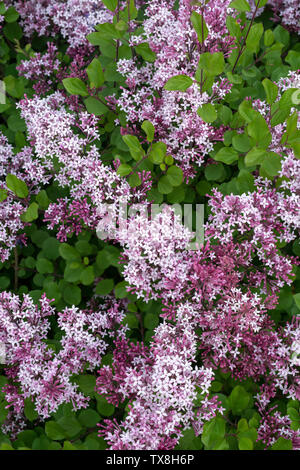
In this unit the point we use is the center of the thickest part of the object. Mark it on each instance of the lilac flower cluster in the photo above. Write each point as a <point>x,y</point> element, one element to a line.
<point>39,372</point>
<point>287,11</point>
<point>163,384</point>
<point>34,174</point>
<point>216,300</point>
<point>171,36</point>
<point>237,334</point>
<point>73,19</point>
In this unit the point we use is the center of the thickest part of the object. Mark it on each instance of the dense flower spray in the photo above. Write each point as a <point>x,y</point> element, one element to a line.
<point>216,307</point>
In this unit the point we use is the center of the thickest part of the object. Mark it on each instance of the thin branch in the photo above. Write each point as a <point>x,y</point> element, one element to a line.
<point>245,38</point>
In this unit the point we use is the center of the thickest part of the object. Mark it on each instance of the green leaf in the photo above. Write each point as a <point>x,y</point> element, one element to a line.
<point>70,426</point>
<point>95,74</point>
<point>110,4</point>
<point>120,290</point>
<point>245,182</point>
<point>225,115</point>
<point>104,287</point>
<point>214,172</point>
<point>226,155</point>
<point>134,180</point>
<point>175,175</point>
<point>189,441</point>
<point>12,31</point>
<point>296,251</point>
<point>261,3</point>
<point>241,143</point>
<point>144,50</point>
<point>253,39</point>
<point>158,152</point>
<point>293,58</point>
<point>11,15</point>
<point>3,194</point>
<point>282,444</point>
<point>2,8</point>
<point>121,25</point>
<point>281,35</point>
<point>75,86</point>
<point>245,443</point>
<point>149,130</point>
<point>16,123</point>
<point>242,425</point>
<point>89,418</point>
<point>233,26</point>
<point>73,271</point>
<point>17,186</point>
<point>131,320</point>
<point>54,431</point>
<point>282,108</point>
<point>4,282</point>
<point>14,86</point>
<point>255,157</point>
<point>238,399</point>
<point>271,163</point>
<point>105,31</point>
<point>87,384</point>
<point>151,321</point>
<point>72,295</point>
<point>207,112</point>
<point>271,90</point>
<point>29,410</point>
<point>51,248</point>
<point>268,38</point>
<point>95,106</point>
<point>87,276</point>
<point>199,26</point>
<point>240,5</point>
<point>178,83</point>
<point>104,408</point>
<point>203,187</point>
<point>258,129</point>
<point>213,433</point>
<point>164,185</point>
<point>42,199</point>
<point>297,299</point>
<point>68,252</point>
<point>124,169</point>
<point>31,213</point>
<point>135,148</point>
<point>44,266</point>
<point>247,112</point>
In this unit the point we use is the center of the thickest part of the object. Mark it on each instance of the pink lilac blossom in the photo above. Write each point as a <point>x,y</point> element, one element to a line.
<point>288,197</point>
<point>38,371</point>
<point>162,387</point>
<point>73,19</point>
<point>34,174</point>
<point>255,219</point>
<point>288,12</point>
<point>47,70</point>
<point>237,334</point>
<point>274,425</point>
<point>51,130</point>
<point>171,36</point>
<point>154,252</point>
<point>41,68</point>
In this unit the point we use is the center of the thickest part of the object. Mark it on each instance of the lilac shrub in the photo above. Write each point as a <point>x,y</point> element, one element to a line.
<point>118,330</point>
